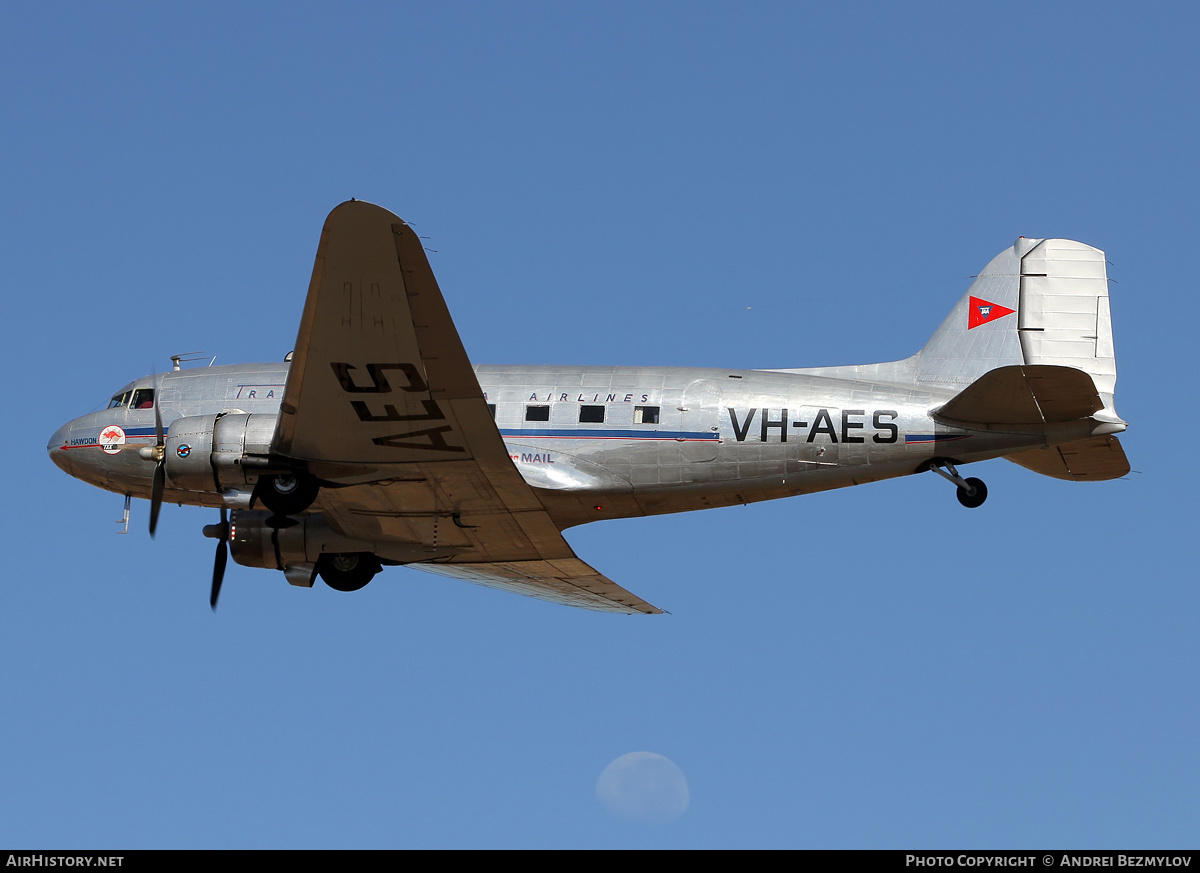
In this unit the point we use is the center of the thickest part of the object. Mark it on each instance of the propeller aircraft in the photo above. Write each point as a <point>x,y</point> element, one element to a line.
<point>377,442</point>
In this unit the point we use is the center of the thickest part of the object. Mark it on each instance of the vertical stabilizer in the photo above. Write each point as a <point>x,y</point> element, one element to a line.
<point>980,333</point>
<point>1042,301</point>
<point>1039,302</point>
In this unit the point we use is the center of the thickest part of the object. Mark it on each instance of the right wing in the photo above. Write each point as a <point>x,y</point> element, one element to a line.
<point>383,407</point>
<point>568,581</point>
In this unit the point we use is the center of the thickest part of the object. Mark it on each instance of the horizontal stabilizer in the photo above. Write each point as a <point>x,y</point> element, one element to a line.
<point>1024,395</point>
<point>1091,460</point>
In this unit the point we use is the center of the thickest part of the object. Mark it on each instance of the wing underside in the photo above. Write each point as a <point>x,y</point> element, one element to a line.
<point>383,407</point>
<point>570,582</point>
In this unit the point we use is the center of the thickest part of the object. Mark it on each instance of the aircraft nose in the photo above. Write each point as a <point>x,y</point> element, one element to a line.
<point>57,447</point>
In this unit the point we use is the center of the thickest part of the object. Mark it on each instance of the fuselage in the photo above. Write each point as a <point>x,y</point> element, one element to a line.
<point>598,442</point>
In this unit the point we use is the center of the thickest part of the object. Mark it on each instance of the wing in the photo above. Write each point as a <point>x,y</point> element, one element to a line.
<point>382,406</point>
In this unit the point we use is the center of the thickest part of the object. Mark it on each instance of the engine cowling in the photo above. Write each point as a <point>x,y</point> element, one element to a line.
<point>254,542</point>
<point>205,452</point>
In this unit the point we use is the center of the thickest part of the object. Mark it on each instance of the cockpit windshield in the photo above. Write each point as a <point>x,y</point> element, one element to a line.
<point>143,398</point>
<point>137,398</point>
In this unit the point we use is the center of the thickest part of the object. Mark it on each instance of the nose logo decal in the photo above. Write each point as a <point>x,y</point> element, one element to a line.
<point>184,450</point>
<point>111,439</point>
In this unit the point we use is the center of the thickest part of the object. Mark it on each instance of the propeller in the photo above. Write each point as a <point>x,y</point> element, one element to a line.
<point>220,533</point>
<point>159,454</point>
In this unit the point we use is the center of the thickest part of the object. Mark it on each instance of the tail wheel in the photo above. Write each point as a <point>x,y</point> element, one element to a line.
<point>348,572</point>
<point>971,492</point>
<point>287,494</point>
<point>969,499</point>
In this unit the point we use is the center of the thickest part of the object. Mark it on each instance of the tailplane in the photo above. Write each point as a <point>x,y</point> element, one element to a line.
<point>1061,403</point>
<point>1090,460</point>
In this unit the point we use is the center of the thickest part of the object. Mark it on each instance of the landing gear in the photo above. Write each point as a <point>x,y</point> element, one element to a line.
<point>287,493</point>
<point>971,492</point>
<point>348,572</point>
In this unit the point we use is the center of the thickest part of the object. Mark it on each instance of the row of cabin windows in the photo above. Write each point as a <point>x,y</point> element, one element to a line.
<point>587,414</point>
<point>593,414</point>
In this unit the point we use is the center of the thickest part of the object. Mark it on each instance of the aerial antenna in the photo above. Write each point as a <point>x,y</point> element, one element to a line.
<point>188,357</point>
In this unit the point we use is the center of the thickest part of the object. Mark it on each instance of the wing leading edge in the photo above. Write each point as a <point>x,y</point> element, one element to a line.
<point>382,405</point>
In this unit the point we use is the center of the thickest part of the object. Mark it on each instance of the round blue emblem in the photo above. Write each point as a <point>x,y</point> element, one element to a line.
<point>184,450</point>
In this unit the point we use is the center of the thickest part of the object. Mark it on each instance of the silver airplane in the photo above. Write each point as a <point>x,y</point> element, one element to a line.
<point>376,442</point>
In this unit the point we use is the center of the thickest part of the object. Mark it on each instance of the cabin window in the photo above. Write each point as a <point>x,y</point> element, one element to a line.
<point>591,414</point>
<point>143,398</point>
<point>120,400</point>
<point>645,414</point>
<point>492,409</point>
<point>537,413</point>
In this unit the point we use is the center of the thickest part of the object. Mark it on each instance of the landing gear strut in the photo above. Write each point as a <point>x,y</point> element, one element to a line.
<point>348,572</point>
<point>971,492</point>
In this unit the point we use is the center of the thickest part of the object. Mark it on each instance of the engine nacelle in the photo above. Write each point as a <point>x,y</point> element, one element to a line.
<point>255,543</point>
<point>205,452</point>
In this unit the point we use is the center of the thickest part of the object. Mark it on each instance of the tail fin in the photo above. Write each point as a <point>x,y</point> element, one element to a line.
<point>1029,349</point>
<point>1031,345</point>
<point>1040,302</point>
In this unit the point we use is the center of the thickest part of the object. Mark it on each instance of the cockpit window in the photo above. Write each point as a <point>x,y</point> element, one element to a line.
<point>120,400</point>
<point>143,398</point>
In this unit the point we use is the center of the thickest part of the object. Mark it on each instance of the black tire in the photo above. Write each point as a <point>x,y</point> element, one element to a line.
<point>348,572</point>
<point>287,495</point>
<point>970,501</point>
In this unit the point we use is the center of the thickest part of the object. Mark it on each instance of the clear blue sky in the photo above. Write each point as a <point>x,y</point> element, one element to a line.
<point>768,185</point>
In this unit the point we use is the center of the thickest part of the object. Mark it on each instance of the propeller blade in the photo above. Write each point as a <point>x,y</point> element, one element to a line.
<point>158,428</point>
<point>219,532</point>
<point>219,563</point>
<point>156,494</point>
<point>160,466</point>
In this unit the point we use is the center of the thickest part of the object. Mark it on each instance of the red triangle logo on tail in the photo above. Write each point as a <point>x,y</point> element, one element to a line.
<point>980,311</point>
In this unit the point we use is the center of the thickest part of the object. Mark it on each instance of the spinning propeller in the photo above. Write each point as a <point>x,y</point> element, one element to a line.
<point>220,533</point>
<point>159,454</point>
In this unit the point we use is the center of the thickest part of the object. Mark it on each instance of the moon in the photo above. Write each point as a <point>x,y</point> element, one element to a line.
<point>643,787</point>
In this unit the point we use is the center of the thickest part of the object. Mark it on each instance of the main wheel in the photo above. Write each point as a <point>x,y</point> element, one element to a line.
<point>287,494</point>
<point>348,572</point>
<point>969,500</point>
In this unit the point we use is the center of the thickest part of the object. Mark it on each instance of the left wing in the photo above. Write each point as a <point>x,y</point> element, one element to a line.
<point>382,405</point>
